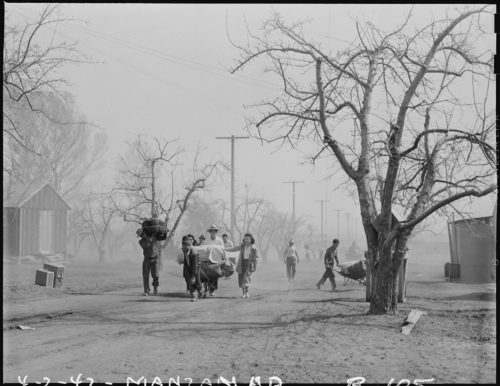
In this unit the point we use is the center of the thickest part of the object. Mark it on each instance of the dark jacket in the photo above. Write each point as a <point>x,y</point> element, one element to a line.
<point>330,256</point>
<point>150,247</point>
<point>190,264</point>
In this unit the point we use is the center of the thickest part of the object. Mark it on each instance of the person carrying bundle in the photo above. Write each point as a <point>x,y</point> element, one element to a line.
<point>151,251</point>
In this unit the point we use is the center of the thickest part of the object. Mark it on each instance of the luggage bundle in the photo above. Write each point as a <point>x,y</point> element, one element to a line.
<point>155,227</point>
<point>353,270</point>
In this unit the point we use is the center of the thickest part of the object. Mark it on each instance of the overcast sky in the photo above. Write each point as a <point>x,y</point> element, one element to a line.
<point>162,70</point>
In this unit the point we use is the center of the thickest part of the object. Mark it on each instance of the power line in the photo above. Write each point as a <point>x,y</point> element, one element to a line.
<point>143,72</point>
<point>175,59</point>
<point>169,57</point>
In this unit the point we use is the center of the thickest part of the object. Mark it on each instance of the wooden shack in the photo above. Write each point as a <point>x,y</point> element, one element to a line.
<point>35,221</point>
<point>472,249</point>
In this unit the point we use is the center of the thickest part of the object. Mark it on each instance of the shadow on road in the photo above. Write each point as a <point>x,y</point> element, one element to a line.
<point>331,300</point>
<point>483,296</point>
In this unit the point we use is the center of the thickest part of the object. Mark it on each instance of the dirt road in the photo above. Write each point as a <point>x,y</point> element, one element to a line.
<point>287,330</point>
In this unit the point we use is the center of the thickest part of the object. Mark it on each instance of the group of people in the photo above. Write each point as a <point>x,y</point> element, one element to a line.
<point>291,259</point>
<point>213,239</point>
<point>245,265</point>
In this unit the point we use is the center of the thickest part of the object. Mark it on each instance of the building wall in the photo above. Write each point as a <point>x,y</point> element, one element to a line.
<point>60,221</point>
<point>27,229</point>
<point>473,250</point>
<point>11,231</point>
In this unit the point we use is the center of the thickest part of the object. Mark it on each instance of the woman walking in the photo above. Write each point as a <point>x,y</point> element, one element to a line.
<point>247,262</point>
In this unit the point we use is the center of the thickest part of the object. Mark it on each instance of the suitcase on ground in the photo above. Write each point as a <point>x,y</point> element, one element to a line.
<point>58,271</point>
<point>44,278</point>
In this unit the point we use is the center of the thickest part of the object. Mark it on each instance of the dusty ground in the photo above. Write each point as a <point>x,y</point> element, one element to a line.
<point>100,326</point>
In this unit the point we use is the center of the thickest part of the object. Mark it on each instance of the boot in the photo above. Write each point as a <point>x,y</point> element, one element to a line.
<point>155,292</point>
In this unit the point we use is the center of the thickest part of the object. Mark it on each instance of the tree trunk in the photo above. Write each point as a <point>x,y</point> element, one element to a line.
<point>383,297</point>
<point>385,274</point>
<point>102,255</point>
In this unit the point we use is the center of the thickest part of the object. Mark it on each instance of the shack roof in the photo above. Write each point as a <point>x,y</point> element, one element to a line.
<point>23,193</point>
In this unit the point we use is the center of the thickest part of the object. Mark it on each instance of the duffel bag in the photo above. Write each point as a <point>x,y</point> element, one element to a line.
<point>161,236</point>
<point>153,226</point>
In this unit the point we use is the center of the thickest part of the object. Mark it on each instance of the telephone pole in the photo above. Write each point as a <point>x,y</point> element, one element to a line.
<point>293,184</point>
<point>348,214</point>
<point>338,222</point>
<point>232,138</point>
<point>322,222</point>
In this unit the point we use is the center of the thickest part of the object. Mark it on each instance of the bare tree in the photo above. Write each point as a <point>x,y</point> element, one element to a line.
<point>137,184</point>
<point>201,213</point>
<point>77,229</point>
<point>428,90</point>
<point>61,154</point>
<point>31,67</point>
<point>267,228</point>
<point>98,218</point>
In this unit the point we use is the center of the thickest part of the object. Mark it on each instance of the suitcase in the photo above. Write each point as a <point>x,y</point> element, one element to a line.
<point>44,278</point>
<point>58,271</point>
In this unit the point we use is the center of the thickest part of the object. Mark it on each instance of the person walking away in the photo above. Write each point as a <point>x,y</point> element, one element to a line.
<point>150,265</point>
<point>191,270</point>
<point>330,256</point>
<point>307,252</point>
<point>247,262</point>
<point>291,258</point>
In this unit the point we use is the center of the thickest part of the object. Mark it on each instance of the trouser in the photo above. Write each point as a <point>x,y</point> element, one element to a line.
<point>291,263</point>
<point>213,285</point>
<point>244,277</point>
<point>328,275</point>
<point>150,266</point>
<point>193,282</point>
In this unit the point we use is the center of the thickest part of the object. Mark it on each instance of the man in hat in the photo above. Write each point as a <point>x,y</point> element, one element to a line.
<point>214,239</point>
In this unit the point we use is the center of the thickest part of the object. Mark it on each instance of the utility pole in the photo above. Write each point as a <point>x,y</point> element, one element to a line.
<point>338,222</point>
<point>322,222</point>
<point>232,138</point>
<point>348,229</point>
<point>293,213</point>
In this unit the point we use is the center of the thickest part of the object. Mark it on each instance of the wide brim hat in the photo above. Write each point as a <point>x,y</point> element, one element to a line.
<point>213,228</point>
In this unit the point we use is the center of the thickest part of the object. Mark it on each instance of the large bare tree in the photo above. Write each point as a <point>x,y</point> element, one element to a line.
<point>406,114</point>
<point>62,154</point>
<point>138,194</point>
<point>31,62</point>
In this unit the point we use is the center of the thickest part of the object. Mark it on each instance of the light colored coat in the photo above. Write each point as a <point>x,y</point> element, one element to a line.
<point>252,258</point>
